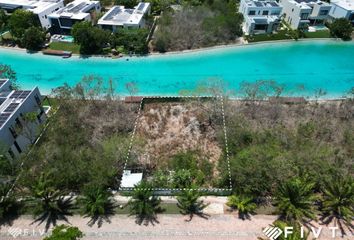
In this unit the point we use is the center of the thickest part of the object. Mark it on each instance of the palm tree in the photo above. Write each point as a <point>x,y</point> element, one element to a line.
<point>189,204</point>
<point>50,204</point>
<point>144,204</point>
<point>97,204</point>
<point>295,201</point>
<point>8,204</point>
<point>338,202</point>
<point>245,205</point>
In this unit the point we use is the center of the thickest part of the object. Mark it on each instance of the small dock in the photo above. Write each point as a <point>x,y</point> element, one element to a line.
<point>64,54</point>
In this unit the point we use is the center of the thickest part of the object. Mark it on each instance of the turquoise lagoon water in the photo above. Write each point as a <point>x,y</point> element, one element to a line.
<point>302,67</point>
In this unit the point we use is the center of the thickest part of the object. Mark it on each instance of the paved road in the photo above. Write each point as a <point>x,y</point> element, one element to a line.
<point>170,227</point>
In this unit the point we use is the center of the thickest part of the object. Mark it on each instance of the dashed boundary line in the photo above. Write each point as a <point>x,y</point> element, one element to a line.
<point>210,190</point>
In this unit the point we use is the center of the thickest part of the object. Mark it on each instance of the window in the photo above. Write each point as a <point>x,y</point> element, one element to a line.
<point>17,147</point>
<point>304,16</point>
<point>324,12</point>
<point>252,13</point>
<point>265,12</point>
<point>13,132</point>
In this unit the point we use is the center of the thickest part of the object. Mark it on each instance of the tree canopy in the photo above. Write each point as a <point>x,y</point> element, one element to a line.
<point>20,21</point>
<point>341,28</point>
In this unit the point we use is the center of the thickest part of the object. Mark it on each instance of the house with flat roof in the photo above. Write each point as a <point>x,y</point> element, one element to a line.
<point>303,13</point>
<point>260,16</point>
<point>76,11</point>
<point>342,9</point>
<point>41,8</point>
<point>17,132</point>
<point>121,17</point>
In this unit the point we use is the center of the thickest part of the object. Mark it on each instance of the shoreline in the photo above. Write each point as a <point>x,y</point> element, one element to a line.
<point>189,51</point>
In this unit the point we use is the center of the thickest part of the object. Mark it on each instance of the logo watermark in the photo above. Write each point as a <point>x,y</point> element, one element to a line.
<point>17,232</point>
<point>274,232</point>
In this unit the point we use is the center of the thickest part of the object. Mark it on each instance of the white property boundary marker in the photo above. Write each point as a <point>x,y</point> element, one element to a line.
<point>180,189</point>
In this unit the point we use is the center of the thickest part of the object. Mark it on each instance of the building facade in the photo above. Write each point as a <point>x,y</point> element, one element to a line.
<point>342,9</point>
<point>76,11</point>
<point>41,8</point>
<point>302,13</point>
<point>260,16</point>
<point>21,113</point>
<point>121,17</point>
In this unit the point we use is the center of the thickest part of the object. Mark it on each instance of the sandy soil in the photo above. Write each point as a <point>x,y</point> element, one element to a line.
<point>171,128</point>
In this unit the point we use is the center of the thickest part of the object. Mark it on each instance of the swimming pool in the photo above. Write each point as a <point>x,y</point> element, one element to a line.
<point>302,67</point>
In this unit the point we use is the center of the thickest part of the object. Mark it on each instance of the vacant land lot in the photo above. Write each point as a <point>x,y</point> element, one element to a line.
<point>177,144</point>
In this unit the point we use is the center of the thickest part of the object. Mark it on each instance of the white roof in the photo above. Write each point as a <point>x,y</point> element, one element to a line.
<point>346,4</point>
<point>119,15</point>
<point>129,179</point>
<point>75,10</point>
<point>35,6</point>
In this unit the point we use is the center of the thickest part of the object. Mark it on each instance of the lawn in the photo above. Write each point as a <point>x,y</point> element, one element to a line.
<point>318,34</point>
<point>73,47</point>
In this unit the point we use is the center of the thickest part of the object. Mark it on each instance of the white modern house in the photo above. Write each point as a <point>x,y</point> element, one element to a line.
<point>41,8</point>
<point>16,131</point>
<point>76,11</point>
<point>302,13</point>
<point>342,9</point>
<point>260,16</point>
<point>121,17</point>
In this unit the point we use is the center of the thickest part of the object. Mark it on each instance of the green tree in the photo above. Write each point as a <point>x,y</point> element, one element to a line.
<point>341,28</point>
<point>189,203</point>
<point>97,204</point>
<point>295,200</point>
<point>33,38</point>
<point>338,202</point>
<point>20,21</point>
<point>133,40</point>
<point>126,3</point>
<point>8,204</point>
<point>4,18</point>
<point>144,204</point>
<point>92,40</point>
<point>64,232</point>
<point>245,205</point>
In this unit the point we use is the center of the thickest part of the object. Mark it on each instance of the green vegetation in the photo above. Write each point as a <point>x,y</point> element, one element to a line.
<point>210,22</point>
<point>25,29</point>
<point>244,205</point>
<point>190,205</point>
<point>97,204</point>
<point>4,18</point>
<point>338,202</point>
<point>91,39</point>
<point>341,28</point>
<point>64,232</point>
<point>20,21</point>
<point>295,201</point>
<point>72,47</point>
<point>130,40</point>
<point>144,204</point>
<point>33,38</point>
<point>281,35</point>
